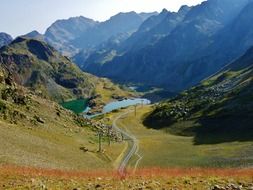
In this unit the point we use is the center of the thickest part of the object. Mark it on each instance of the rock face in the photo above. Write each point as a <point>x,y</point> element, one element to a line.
<point>179,49</point>
<point>38,66</point>
<point>5,39</point>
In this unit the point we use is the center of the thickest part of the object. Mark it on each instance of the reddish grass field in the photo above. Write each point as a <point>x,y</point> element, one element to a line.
<point>149,172</point>
<point>12,177</point>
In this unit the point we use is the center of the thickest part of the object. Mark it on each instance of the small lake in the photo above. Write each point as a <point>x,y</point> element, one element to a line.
<point>77,106</point>
<point>124,103</point>
<point>118,105</point>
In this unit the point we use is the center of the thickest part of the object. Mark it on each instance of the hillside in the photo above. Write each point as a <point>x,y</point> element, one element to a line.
<point>218,110</point>
<point>40,67</point>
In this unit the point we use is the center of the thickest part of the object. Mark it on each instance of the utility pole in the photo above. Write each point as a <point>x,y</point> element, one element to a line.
<point>122,136</point>
<point>99,141</point>
<point>135,110</point>
<point>109,135</point>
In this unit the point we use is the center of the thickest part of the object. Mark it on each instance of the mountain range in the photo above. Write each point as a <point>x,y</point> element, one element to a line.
<point>179,49</point>
<point>78,33</point>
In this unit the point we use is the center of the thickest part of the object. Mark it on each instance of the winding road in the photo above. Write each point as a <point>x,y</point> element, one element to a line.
<point>133,150</point>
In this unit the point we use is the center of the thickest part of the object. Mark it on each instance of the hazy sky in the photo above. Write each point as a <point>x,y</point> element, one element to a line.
<point>22,16</point>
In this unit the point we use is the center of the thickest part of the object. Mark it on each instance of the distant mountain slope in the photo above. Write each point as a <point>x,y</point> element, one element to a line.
<point>102,53</point>
<point>218,110</point>
<point>40,67</point>
<point>150,31</point>
<point>236,38</point>
<point>155,28</point>
<point>198,45</point>
<point>5,39</point>
<point>120,23</point>
<point>74,34</point>
<point>62,32</point>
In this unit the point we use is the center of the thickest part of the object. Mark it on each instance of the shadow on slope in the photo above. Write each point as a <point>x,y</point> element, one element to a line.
<point>224,129</point>
<point>211,130</point>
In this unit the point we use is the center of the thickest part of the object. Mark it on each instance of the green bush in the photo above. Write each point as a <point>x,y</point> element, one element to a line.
<point>3,107</point>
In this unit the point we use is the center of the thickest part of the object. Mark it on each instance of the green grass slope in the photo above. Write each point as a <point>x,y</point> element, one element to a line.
<point>218,110</point>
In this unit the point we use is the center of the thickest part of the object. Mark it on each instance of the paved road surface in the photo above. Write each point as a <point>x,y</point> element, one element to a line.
<point>133,150</point>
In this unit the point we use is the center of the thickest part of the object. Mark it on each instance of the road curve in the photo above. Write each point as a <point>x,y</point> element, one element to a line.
<point>134,148</point>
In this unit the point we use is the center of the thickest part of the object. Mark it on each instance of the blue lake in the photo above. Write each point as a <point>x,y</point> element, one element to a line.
<point>119,104</point>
